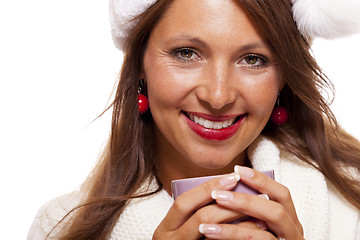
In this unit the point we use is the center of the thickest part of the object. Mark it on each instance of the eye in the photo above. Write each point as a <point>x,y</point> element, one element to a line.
<point>254,61</point>
<point>185,55</point>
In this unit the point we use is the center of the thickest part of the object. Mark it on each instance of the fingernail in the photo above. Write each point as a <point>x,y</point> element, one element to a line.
<point>261,224</point>
<point>230,179</point>
<point>222,195</point>
<point>244,172</point>
<point>209,229</point>
<point>264,196</point>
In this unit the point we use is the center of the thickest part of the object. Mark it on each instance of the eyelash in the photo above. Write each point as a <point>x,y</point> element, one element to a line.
<point>263,61</point>
<point>177,54</point>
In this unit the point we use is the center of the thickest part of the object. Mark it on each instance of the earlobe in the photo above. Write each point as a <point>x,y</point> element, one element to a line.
<point>282,83</point>
<point>142,74</point>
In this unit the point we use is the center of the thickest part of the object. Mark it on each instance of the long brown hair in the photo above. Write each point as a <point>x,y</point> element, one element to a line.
<point>128,161</point>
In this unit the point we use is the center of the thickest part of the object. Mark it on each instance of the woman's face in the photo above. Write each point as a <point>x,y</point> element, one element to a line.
<point>212,84</point>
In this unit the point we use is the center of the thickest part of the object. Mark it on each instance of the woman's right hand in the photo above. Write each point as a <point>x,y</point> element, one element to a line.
<point>191,209</point>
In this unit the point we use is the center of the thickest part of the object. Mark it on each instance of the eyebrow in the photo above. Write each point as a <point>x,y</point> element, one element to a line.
<point>260,44</point>
<point>196,40</point>
<point>189,38</point>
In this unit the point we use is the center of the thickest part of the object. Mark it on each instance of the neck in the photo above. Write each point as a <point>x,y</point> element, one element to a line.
<point>173,165</point>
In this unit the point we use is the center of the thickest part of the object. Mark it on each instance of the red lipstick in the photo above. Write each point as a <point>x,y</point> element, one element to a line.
<point>214,134</point>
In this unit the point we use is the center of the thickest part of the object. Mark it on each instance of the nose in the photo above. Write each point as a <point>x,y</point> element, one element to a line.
<point>217,87</point>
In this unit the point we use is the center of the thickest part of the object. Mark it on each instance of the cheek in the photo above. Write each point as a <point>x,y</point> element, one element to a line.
<point>168,86</point>
<point>262,92</point>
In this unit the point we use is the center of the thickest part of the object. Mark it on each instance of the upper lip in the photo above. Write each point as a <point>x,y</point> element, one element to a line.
<point>213,117</point>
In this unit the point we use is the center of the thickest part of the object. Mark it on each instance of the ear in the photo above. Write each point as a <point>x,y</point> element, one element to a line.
<point>142,74</point>
<point>282,82</point>
<point>282,85</point>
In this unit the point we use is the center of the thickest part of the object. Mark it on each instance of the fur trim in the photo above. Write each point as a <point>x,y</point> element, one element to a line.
<point>314,18</point>
<point>122,13</point>
<point>327,18</point>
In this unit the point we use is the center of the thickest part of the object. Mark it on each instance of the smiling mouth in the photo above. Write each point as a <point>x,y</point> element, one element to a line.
<point>214,128</point>
<point>209,124</point>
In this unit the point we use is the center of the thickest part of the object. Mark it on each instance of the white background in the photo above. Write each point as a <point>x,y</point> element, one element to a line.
<point>58,67</point>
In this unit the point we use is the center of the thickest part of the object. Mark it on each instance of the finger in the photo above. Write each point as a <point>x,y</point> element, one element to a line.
<point>230,231</point>
<point>265,184</point>
<point>209,214</point>
<point>255,222</point>
<point>217,214</point>
<point>273,189</point>
<point>187,203</point>
<point>273,213</point>
<point>252,224</point>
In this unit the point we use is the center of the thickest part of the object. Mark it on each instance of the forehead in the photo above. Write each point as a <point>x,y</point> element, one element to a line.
<point>220,20</point>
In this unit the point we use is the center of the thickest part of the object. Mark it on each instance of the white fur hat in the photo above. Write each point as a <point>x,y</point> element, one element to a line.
<point>314,18</point>
<point>327,18</point>
<point>121,14</point>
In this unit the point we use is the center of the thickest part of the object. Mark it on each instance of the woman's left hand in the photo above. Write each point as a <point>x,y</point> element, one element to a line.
<point>277,214</point>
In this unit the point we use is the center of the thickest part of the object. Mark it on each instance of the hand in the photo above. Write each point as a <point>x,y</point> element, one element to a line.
<point>192,208</point>
<point>278,213</point>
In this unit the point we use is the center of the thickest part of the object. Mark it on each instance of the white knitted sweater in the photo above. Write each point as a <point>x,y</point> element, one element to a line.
<point>323,212</point>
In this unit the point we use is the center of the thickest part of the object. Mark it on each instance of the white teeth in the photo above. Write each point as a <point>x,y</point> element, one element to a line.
<point>211,124</point>
<point>218,125</point>
<point>201,121</point>
<point>227,123</point>
<point>196,119</point>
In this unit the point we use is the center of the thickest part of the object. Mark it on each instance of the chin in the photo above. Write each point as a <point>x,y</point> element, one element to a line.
<point>213,164</point>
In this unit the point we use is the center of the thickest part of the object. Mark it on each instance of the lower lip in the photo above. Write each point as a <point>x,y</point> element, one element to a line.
<point>214,134</point>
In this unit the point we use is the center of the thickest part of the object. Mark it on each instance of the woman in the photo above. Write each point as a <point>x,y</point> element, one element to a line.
<point>214,73</point>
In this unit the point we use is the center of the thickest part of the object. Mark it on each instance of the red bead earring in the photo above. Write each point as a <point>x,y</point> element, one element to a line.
<point>279,114</point>
<point>143,102</point>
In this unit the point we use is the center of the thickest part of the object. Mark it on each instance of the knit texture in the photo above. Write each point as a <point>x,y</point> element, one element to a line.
<point>322,211</point>
<point>142,216</point>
